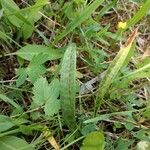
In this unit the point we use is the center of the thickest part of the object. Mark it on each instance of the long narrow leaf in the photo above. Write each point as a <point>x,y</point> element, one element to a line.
<point>68,86</point>
<point>113,70</point>
<point>143,72</point>
<point>10,101</point>
<point>140,14</point>
<point>4,37</point>
<point>106,8</point>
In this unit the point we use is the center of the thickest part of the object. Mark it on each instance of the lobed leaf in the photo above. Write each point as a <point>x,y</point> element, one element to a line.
<point>52,105</point>
<point>22,76</point>
<point>40,91</point>
<point>47,95</point>
<point>34,70</point>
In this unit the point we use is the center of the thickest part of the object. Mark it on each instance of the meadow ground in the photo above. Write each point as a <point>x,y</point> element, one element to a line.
<point>74,74</point>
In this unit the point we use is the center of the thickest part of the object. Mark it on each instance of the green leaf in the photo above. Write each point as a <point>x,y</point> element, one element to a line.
<point>26,130</point>
<point>10,101</point>
<point>27,30</point>
<point>5,123</point>
<point>29,51</point>
<point>18,19</point>
<point>13,19</point>
<point>88,128</point>
<point>25,18</point>
<point>5,37</point>
<point>68,86</point>
<point>14,143</point>
<point>140,14</point>
<point>85,14</point>
<point>35,69</point>
<point>123,144</point>
<point>33,11</point>
<point>94,141</point>
<point>143,72</point>
<point>33,16</point>
<point>106,8</point>
<point>129,126</point>
<point>113,70</point>
<point>146,113</point>
<point>108,115</point>
<point>38,59</point>
<point>40,91</point>
<point>22,76</point>
<point>52,105</point>
<point>47,94</point>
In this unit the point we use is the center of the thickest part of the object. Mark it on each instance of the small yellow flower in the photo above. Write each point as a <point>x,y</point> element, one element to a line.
<point>122,25</point>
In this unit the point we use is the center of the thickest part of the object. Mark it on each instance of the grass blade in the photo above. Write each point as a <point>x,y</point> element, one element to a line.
<point>109,115</point>
<point>143,72</point>
<point>4,37</point>
<point>68,86</point>
<point>106,8</point>
<point>10,101</point>
<point>140,14</point>
<point>113,70</point>
<point>79,19</point>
